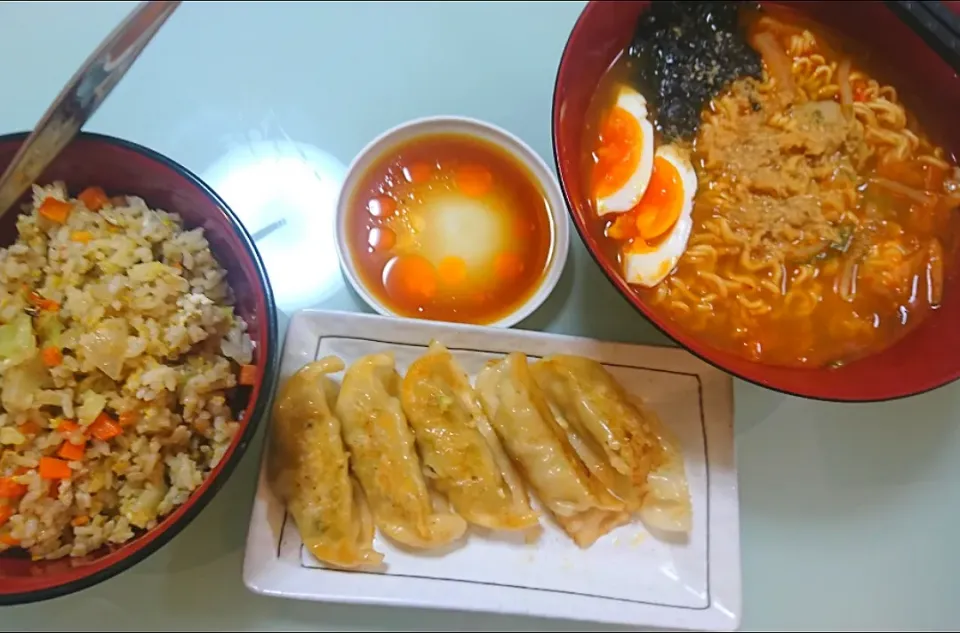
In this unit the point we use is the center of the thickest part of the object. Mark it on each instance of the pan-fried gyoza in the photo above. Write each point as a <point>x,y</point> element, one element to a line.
<point>384,457</point>
<point>533,438</point>
<point>459,448</point>
<point>309,471</point>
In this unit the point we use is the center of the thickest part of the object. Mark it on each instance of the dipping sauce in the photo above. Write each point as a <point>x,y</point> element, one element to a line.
<point>450,227</point>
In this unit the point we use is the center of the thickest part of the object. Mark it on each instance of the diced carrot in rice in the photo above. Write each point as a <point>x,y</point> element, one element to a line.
<point>72,452</point>
<point>55,210</point>
<point>29,428</point>
<point>53,468</point>
<point>11,489</point>
<point>104,428</point>
<point>94,198</point>
<point>248,375</point>
<point>52,356</point>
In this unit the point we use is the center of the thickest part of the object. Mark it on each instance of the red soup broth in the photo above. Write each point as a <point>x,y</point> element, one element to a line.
<point>450,227</point>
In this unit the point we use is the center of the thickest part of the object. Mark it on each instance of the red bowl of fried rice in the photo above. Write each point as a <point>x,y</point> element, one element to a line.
<point>138,340</point>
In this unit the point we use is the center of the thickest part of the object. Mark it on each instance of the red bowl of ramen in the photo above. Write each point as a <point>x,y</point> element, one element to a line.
<point>76,504</point>
<point>782,202</point>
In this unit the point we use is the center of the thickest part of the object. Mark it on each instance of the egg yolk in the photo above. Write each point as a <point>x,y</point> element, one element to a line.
<point>662,202</point>
<point>410,278</point>
<point>621,140</point>
<point>657,211</point>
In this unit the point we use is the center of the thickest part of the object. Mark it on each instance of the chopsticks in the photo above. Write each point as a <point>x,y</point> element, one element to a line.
<point>81,97</point>
<point>936,23</point>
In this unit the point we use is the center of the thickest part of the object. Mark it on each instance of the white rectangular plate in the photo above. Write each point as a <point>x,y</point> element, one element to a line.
<point>627,577</point>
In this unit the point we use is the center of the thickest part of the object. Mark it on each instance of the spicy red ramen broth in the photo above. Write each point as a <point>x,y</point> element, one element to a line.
<point>824,217</point>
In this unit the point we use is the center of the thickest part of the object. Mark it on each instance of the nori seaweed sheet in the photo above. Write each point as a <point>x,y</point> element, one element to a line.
<point>685,53</point>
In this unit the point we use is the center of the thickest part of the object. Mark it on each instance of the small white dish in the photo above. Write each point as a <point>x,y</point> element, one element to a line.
<point>627,577</point>
<point>490,133</point>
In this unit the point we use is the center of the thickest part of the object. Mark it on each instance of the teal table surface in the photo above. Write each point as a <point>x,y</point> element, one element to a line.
<point>849,513</point>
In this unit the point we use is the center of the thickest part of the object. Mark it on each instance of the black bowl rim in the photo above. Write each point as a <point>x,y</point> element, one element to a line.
<point>270,375</point>
<point>596,259</point>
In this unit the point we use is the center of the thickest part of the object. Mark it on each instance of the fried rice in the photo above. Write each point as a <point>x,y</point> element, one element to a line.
<point>119,349</point>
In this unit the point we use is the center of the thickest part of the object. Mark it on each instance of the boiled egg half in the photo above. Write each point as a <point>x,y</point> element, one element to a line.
<point>657,228</point>
<point>624,156</point>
